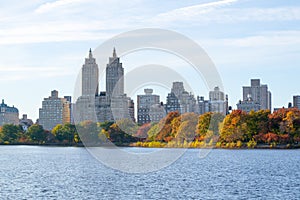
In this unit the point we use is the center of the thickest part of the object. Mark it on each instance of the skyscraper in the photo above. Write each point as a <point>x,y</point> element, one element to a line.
<point>84,109</point>
<point>109,105</point>
<point>114,76</point>
<point>90,76</point>
<point>121,106</point>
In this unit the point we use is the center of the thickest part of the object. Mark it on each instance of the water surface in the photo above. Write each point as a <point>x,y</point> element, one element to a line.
<point>34,172</point>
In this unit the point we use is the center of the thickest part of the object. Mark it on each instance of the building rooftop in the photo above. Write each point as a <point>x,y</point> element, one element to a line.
<point>5,108</point>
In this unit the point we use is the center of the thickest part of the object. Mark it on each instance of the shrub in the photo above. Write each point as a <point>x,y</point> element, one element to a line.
<point>251,144</point>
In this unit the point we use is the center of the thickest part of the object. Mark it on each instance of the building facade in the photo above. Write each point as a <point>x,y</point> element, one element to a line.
<point>259,94</point>
<point>203,105</point>
<point>296,101</point>
<point>248,105</point>
<point>114,76</point>
<point>180,100</point>
<point>148,107</point>
<point>90,76</point>
<point>54,111</point>
<point>218,102</point>
<point>110,105</point>
<point>8,115</point>
<point>25,122</point>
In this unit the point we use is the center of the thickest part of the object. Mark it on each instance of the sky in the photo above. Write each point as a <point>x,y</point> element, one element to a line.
<point>43,43</point>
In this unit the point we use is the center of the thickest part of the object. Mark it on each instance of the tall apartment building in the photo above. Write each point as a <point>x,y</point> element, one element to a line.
<point>203,105</point>
<point>110,105</point>
<point>84,109</point>
<point>218,102</point>
<point>296,101</point>
<point>54,111</point>
<point>255,97</point>
<point>149,108</point>
<point>90,76</point>
<point>180,100</point>
<point>114,76</point>
<point>8,115</point>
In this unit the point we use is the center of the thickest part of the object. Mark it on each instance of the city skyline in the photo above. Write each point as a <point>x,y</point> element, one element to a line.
<point>294,100</point>
<point>43,43</point>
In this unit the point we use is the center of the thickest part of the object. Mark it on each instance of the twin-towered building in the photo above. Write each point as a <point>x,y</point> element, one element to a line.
<point>110,105</point>
<point>113,104</point>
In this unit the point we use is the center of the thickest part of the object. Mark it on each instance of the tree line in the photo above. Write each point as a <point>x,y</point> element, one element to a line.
<point>235,130</point>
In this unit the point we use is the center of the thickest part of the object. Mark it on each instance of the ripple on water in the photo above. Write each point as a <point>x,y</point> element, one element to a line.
<point>28,172</point>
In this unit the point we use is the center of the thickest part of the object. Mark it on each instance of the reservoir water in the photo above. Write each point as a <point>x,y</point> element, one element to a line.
<point>36,172</point>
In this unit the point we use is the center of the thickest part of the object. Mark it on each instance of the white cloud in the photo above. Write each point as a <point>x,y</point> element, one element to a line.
<point>60,25</point>
<point>199,14</point>
<point>16,73</point>
<point>53,5</point>
<point>269,49</point>
<point>264,39</point>
<point>191,11</point>
<point>28,69</point>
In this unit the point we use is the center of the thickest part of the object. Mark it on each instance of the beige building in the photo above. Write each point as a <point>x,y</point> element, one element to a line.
<point>54,111</point>
<point>90,76</point>
<point>218,102</point>
<point>8,115</point>
<point>110,105</point>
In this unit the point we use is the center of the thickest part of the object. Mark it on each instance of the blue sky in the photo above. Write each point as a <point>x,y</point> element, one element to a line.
<point>43,43</point>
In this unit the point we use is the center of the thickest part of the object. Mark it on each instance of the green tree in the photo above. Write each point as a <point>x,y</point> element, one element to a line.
<point>127,126</point>
<point>88,132</point>
<point>10,133</point>
<point>118,136</point>
<point>64,132</point>
<point>37,133</point>
<point>257,122</point>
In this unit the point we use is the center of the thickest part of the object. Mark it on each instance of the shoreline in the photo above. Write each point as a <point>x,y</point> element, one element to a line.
<point>262,146</point>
